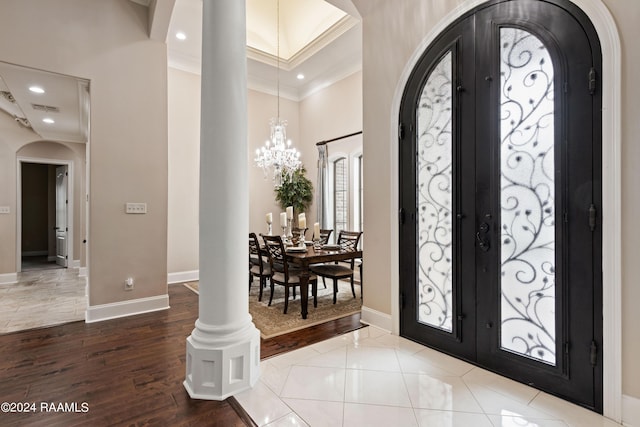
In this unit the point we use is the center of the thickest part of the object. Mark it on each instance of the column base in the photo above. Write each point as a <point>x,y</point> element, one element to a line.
<point>221,367</point>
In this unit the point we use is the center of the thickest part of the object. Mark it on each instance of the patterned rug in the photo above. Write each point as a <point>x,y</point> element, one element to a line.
<point>271,321</point>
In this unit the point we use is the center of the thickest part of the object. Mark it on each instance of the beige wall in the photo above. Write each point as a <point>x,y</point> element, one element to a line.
<point>107,44</point>
<point>184,167</point>
<point>334,111</point>
<point>261,108</point>
<point>330,113</point>
<point>392,31</point>
<point>184,149</point>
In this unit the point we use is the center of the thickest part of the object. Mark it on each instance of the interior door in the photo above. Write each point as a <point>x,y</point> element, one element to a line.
<point>61,215</point>
<point>500,192</point>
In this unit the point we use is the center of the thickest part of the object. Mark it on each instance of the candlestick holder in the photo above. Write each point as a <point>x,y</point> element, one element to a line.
<point>301,238</point>
<point>289,232</point>
<point>284,234</point>
<point>316,244</point>
<point>269,231</point>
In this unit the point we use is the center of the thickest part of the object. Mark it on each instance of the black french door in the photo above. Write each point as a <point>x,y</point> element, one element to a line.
<point>500,189</point>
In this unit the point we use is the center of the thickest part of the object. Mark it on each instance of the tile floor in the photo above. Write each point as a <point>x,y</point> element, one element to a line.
<point>42,298</point>
<point>371,378</point>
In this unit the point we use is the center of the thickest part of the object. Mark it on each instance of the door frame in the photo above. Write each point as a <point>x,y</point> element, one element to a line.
<point>611,188</point>
<point>70,188</point>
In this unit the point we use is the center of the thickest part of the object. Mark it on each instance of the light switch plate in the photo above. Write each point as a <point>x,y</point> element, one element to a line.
<point>5,209</point>
<point>135,208</point>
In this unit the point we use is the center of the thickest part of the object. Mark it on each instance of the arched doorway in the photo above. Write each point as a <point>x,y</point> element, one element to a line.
<point>497,167</point>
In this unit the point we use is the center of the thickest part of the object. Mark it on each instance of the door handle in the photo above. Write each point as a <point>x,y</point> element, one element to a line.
<point>483,241</point>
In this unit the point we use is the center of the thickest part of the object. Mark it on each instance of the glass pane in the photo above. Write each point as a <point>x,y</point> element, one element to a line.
<point>434,192</point>
<point>340,196</point>
<point>527,196</point>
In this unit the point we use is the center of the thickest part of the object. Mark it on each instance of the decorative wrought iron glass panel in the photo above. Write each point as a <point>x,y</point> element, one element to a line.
<point>435,196</point>
<point>527,196</point>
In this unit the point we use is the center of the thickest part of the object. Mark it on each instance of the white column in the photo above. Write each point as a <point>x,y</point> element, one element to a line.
<point>223,351</point>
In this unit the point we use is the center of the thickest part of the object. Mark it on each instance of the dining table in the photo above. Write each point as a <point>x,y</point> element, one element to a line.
<point>303,259</point>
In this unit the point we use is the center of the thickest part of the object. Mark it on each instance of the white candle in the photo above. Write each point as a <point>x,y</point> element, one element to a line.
<point>300,218</point>
<point>302,223</point>
<point>283,219</point>
<point>290,212</point>
<point>316,230</point>
<point>269,218</point>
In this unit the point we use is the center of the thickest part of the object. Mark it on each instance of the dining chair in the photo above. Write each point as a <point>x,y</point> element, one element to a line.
<point>325,234</point>
<point>283,274</point>
<point>348,240</point>
<point>257,266</point>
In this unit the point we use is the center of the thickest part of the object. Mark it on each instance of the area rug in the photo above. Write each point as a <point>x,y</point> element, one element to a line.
<point>271,321</point>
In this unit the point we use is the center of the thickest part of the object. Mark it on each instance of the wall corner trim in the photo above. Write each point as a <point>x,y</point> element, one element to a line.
<point>183,276</point>
<point>8,278</point>
<point>98,313</point>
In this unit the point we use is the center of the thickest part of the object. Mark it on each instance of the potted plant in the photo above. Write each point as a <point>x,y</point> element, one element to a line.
<point>296,191</point>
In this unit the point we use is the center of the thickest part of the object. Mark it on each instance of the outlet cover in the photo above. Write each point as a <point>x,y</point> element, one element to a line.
<point>135,208</point>
<point>5,209</point>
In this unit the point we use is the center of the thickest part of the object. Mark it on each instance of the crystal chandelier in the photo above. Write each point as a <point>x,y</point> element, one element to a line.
<point>277,152</point>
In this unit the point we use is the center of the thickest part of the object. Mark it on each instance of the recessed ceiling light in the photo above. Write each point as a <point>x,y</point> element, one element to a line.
<point>36,89</point>
<point>300,76</point>
<point>181,36</point>
<point>48,120</point>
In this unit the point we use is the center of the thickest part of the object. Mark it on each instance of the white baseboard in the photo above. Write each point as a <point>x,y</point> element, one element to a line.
<point>82,271</point>
<point>98,313</point>
<point>630,411</point>
<point>8,278</point>
<point>183,276</point>
<point>376,318</point>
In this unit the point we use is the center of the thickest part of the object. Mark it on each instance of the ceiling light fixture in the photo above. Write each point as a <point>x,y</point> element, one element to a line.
<point>181,36</point>
<point>48,120</point>
<point>277,152</point>
<point>36,89</point>
<point>300,76</point>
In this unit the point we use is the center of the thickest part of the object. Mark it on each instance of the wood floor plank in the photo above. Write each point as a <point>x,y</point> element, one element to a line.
<point>129,371</point>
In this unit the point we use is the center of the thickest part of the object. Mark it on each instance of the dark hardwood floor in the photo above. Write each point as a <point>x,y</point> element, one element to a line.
<point>123,372</point>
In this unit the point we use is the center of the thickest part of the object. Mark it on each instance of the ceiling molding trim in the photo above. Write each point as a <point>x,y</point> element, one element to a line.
<point>320,42</point>
<point>346,72</point>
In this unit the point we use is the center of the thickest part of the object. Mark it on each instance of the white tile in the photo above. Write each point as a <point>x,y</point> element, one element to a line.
<point>511,421</point>
<point>289,420</point>
<point>308,382</point>
<point>495,403</point>
<point>262,404</point>
<point>502,385</point>
<point>293,357</point>
<point>318,413</point>
<point>273,377</point>
<point>444,361</point>
<point>441,393</point>
<point>430,418</point>
<point>380,359</point>
<point>573,415</point>
<point>376,388</point>
<point>332,359</point>
<point>419,364</point>
<point>332,344</point>
<point>378,416</point>
<point>402,345</point>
